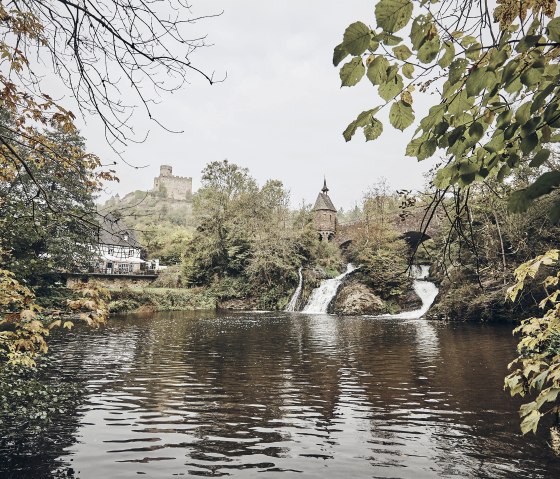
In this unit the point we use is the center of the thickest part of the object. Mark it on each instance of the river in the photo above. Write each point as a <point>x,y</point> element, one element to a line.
<point>282,395</point>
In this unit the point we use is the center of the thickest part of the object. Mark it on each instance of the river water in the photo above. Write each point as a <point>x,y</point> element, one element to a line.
<point>283,395</point>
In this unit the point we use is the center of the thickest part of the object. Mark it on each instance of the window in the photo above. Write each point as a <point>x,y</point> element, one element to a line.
<point>110,250</point>
<point>124,268</point>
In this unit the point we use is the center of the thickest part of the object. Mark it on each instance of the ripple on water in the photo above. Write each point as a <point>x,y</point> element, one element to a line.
<point>286,395</point>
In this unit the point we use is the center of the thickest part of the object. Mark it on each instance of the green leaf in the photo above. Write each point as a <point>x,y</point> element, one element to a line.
<point>443,178</point>
<point>401,115</point>
<point>408,71</point>
<point>363,119</point>
<point>473,52</point>
<point>456,69</point>
<point>427,149</point>
<point>434,116</point>
<point>498,56</point>
<point>530,126</point>
<point>373,45</point>
<point>531,76</point>
<point>402,52</point>
<point>429,50</point>
<point>356,38</point>
<point>526,43</point>
<point>441,128</point>
<point>392,15</point>
<point>448,56</point>
<point>373,129</point>
<point>530,422</point>
<point>377,70</point>
<point>350,130</point>
<point>540,99</point>
<point>339,54</point>
<point>390,40</point>
<point>476,81</point>
<point>504,119</point>
<point>460,103</point>
<point>523,113</point>
<point>391,88</point>
<point>352,72</point>
<point>553,28</point>
<point>456,134</point>
<point>476,131</point>
<point>543,185</point>
<point>547,395</point>
<point>419,31</point>
<point>413,147</point>
<point>504,171</point>
<point>510,131</point>
<point>529,143</point>
<point>510,72</point>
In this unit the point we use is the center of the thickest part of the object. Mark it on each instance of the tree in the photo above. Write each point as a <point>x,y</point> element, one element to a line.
<point>495,77</point>
<point>37,241</point>
<point>247,245</point>
<point>496,87</point>
<point>536,370</point>
<point>222,206</point>
<point>94,48</point>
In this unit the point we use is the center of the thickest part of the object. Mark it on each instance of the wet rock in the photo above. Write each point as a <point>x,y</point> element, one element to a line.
<point>245,304</point>
<point>357,298</point>
<point>409,301</point>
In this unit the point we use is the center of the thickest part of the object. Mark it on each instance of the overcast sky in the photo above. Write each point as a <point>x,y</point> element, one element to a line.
<point>280,112</point>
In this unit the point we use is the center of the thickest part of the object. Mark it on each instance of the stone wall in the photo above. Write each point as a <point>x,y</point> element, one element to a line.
<point>173,187</point>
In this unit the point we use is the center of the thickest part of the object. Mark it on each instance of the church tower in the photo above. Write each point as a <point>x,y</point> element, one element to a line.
<point>325,215</point>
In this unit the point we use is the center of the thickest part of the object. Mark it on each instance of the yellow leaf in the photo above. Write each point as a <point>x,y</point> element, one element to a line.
<point>55,324</point>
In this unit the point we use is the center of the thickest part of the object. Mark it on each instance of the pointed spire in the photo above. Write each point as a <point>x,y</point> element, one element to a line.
<point>325,189</point>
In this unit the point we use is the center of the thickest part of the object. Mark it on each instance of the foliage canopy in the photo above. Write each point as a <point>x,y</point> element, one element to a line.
<point>498,100</point>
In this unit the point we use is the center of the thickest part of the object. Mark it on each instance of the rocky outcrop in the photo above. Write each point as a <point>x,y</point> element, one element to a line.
<point>245,304</point>
<point>409,301</point>
<point>357,298</point>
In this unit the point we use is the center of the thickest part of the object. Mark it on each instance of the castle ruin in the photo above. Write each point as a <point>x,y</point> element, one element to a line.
<point>172,187</point>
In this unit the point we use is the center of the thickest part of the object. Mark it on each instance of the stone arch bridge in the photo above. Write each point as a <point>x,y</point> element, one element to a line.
<point>409,231</point>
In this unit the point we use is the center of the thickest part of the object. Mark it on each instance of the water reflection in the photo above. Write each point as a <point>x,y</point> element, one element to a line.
<point>290,394</point>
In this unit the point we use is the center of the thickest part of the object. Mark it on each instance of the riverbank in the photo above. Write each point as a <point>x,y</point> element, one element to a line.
<point>161,299</point>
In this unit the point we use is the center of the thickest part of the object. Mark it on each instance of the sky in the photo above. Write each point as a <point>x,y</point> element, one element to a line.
<point>280,112</point>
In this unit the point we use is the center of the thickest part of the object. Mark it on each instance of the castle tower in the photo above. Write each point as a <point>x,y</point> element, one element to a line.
<point>165,170</point>
<point>325,215</point>
<point>178,188</point>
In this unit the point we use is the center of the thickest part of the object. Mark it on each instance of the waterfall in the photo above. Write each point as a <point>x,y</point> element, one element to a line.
<point>322,296</point>
<point>294,299</point>
<point>426,291</point>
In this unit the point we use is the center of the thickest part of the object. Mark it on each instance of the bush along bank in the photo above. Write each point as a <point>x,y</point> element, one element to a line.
<point>161,299</point>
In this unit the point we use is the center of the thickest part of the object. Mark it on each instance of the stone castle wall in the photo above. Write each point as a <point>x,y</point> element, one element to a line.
<point>173,187</point>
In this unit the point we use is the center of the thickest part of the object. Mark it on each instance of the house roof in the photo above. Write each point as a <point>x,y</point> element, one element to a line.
<point>323,202</point>
<point>113,233</point>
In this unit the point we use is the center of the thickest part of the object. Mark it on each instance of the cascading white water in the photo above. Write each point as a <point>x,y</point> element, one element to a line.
<point>294,299</point>
<point>426,291</point>
<point>322,296</point>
